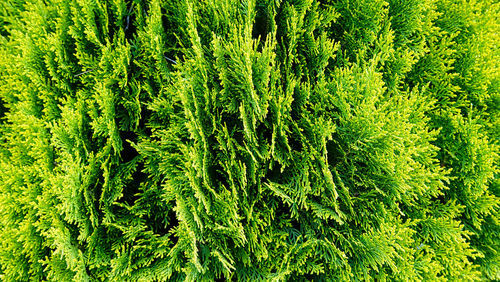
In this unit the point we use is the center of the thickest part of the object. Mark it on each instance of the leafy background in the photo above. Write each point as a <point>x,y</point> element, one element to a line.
<point>249,140</point>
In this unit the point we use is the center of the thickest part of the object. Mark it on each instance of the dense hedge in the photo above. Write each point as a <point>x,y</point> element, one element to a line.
<point>249,140</point>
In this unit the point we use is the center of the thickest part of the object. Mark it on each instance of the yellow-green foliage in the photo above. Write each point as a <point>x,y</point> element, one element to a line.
<point>256,140</point>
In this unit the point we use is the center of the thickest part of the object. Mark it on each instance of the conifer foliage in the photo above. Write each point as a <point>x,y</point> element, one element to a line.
<point>255,140</point>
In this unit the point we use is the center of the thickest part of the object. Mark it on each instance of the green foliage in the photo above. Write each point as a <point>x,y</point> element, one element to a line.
<point>258,140</point>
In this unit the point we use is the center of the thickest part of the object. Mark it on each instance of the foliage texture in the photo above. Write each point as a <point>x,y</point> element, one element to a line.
<point>255,140</point>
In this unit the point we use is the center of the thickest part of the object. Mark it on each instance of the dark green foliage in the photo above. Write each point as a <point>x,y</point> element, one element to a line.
<point>259,140</point>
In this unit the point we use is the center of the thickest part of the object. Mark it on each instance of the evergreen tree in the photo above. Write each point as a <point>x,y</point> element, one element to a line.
<point>256,140</point>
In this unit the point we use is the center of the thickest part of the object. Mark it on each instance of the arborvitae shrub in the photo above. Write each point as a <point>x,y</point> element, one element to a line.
<point>268,140</point>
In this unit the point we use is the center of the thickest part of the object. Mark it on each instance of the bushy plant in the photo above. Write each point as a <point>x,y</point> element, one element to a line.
<point>256,140</point>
